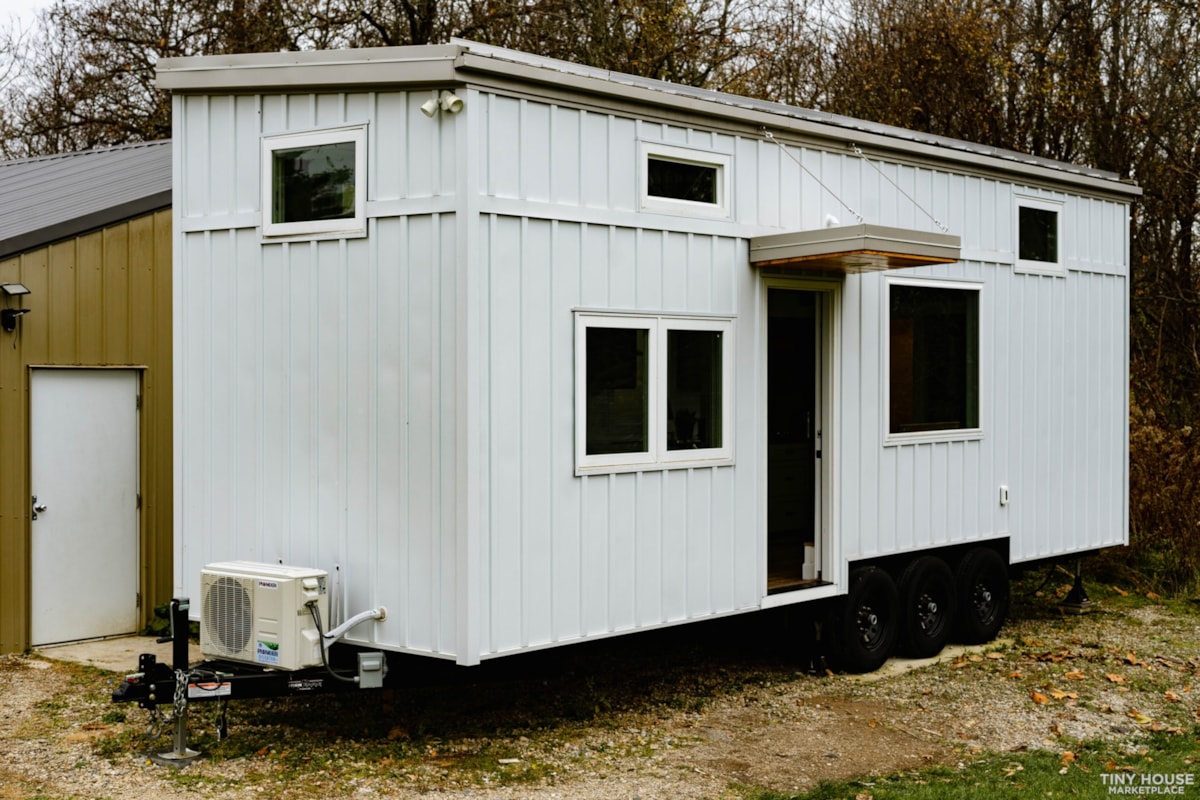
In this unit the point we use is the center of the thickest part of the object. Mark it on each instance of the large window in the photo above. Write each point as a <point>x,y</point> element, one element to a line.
<point>315,183</point>
<point>1038,236</point>
<point>933,358</point>
<point>652,390</point>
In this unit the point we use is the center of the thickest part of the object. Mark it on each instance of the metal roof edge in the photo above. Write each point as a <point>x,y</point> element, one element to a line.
<point>297,69</point>
<point>78,226</point>
<point>462,60</point>
<point>777,117</point>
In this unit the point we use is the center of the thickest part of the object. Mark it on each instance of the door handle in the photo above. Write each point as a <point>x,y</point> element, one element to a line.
<point>37,507</point>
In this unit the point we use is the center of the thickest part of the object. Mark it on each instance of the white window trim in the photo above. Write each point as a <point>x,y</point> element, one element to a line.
<point>927,437</point>
<point>658,456</point>
<point>722,162</point>
<point>1037,267</point>
<point>351,226</point>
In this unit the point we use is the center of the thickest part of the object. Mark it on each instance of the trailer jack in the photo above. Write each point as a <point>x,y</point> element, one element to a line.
<point>155,685</point>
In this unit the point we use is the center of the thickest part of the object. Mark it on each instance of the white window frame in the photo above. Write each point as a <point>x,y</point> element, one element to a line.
<point>721,162</point>
<point>657,456</point>
<point>326,228</point>
<point>1028,265</point>
<point>922,437</point>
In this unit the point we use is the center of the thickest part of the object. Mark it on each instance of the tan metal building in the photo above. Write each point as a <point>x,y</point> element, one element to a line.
<point>85,394</point>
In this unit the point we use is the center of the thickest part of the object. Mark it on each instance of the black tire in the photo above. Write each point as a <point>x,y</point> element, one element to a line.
<point>928,597</point>
<point>983,595</point>
<point>864,623</point>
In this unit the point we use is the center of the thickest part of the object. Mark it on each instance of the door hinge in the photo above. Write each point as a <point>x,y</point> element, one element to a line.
<point>139,599</point>
<point>139,501</point>
<point>139,401</point>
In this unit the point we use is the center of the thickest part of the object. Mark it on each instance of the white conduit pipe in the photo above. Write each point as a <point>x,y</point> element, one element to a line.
<point>374,613</point>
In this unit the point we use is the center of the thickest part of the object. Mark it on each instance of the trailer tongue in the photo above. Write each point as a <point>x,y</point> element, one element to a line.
<point>155,684</point>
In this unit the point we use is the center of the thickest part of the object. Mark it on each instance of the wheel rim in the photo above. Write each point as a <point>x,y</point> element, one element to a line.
<point>983,602</point>
<point>931,616</point>
<point>871,627</point>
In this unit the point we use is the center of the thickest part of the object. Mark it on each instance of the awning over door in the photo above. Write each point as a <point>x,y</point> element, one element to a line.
<point>850,249</point>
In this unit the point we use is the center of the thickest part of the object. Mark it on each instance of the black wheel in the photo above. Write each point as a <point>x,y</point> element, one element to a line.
<point>864,621</point>
<point>983,595</point>
<point>927,603</point>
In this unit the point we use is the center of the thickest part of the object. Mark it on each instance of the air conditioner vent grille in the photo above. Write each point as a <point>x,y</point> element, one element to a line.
<point>229,613</point>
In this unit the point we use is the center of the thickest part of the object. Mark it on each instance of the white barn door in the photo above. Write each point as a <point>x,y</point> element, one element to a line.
<point>84,480</point>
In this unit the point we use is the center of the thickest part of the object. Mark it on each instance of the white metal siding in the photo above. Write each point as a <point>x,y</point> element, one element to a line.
<point>570,557</point>
<point>401,407</point>
<point>317,380</point>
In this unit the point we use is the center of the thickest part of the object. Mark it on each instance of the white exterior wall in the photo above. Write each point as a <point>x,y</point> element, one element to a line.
<point>317,383</point>
<point>400,407</point>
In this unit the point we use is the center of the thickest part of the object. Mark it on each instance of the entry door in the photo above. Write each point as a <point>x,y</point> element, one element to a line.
<point>84,480</point>
<point>793,439</point>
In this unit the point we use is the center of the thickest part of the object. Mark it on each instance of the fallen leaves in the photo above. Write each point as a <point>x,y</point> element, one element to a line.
<point>1138,717</point>
<point>1114,678</point>
<point>1075,675</point>
<point>1038,697</point>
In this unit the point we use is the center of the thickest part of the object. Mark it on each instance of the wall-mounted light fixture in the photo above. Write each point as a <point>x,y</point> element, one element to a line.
<point>9,316</point>
<point>445,100</point>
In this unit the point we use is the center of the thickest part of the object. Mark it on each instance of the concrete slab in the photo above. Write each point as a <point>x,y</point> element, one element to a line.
<point>119,654</point>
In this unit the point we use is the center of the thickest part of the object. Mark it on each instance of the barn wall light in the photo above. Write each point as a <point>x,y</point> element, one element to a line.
<point>10,316</point>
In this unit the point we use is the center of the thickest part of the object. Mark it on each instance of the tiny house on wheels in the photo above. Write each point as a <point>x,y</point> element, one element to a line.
<point>492,353</point>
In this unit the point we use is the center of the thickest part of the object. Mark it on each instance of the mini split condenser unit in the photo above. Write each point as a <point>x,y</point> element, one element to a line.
<point>259,614</point>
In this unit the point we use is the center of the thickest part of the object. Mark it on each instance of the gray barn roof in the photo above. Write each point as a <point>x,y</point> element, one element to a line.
<point>50,198</point>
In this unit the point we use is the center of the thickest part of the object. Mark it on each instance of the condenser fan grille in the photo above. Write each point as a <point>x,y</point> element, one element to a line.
<point>228,615</point>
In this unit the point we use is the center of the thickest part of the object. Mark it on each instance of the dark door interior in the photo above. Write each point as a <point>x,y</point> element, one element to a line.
<point>792,435</point>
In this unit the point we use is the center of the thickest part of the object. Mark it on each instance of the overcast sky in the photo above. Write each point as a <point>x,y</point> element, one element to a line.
<point>23,10</point>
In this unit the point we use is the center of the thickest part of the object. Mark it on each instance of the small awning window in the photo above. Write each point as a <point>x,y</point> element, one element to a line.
<point>850,249</point>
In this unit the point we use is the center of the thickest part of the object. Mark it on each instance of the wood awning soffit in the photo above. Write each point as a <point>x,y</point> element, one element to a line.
<point>853,249</point>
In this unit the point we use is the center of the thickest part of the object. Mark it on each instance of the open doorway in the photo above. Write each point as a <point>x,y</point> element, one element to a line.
<point>793,440</point>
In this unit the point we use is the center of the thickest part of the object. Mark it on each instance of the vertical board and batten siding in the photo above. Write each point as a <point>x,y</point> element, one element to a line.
<point>339,433</point>
<point>1052,399</point>
<point>102,299</point>
<point>571,557</point>
<point>324,372</point>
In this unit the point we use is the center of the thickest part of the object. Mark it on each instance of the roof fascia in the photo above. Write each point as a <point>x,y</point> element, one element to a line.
<point>796,130</point>
<point>456,64</point>
<point>309,69</point>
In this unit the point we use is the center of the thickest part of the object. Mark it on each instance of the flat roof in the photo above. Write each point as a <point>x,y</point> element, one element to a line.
<point>469,63</point>
<point>51,198</point>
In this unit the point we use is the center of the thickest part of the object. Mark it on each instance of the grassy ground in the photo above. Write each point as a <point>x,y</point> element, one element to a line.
<point>1166,765</point>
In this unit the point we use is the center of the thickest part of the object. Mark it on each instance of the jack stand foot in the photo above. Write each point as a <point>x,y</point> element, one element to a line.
<point>173,759</point>
<point>182,755</point>
<point>1077,601</point>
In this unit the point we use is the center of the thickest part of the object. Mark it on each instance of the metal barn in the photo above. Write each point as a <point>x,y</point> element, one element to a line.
<point>530,353</point>
<point>85,393</point>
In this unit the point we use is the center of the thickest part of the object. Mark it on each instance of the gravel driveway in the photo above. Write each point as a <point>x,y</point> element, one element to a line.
<point>703,711</point>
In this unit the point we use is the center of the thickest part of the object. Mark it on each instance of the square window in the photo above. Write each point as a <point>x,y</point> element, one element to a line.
<point>314,183</point>
<point>933,358</point>
<point>1037,236</point>
<point>651,391</point>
